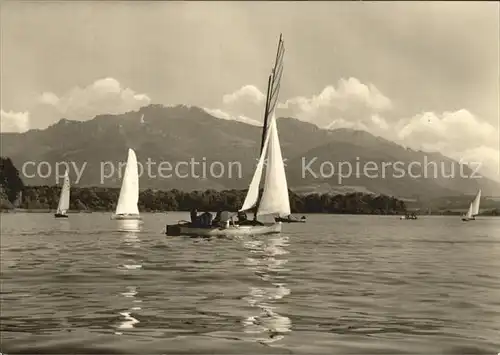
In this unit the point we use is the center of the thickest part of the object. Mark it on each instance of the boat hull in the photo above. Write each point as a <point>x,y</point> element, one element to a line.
<point>60,215</point>
<point>126,217</point>
<point>187,230</point>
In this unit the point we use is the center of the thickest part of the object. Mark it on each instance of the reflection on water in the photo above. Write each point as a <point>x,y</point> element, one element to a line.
<point>398,289</point>
<point>131,240</point>
<point>63,224</point>
<point>129,321</point>
<point>129,226</point>
<point>267,260</point>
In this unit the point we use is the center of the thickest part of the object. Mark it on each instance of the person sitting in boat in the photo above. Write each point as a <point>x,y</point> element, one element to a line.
<point>226,219</point>
<point>194,216</point>
<point>244,221</point>
<point>206,219</point>
<point>217,219</point>
<point>242,217</point>
<point>253,222</point>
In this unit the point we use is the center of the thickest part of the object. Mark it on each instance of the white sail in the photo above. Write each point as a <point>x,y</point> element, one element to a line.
<point>469,213</point>
<point>129,193</point>
<point>275,198</point>
<point>63,205</point>
<point>475,204</point>
<point>253,190</point>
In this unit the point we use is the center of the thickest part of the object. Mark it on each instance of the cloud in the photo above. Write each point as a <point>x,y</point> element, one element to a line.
<point>351,104</point>
<point>342,123</point>
<point>247,93</point>
<point>332,107</point>
<point>349,92</point>
<point>104,96</point>
<point>226,116</point>
<point>458,129</point>
<point>459,135</point>
<point>246,104</point>
<point>488,157</point>
<point>14,121</point>
<point>49,98</point>
<point>351,100</point>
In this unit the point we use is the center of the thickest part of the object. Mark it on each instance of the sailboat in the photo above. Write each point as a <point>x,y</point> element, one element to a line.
<point>473,210</point>
<point>63,205</point>
<point>274,199</point>
<point>129,193</point>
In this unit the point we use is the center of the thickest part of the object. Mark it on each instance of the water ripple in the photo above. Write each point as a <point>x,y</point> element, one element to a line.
<point>335,285</point>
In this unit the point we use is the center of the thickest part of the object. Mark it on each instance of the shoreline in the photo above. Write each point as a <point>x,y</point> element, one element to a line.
<point>21,210</point>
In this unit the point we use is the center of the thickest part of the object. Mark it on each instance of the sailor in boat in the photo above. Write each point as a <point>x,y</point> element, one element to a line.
<point>242,217</point>
<point>205,219</point>
<point>216,221</point>
<point>202,221</point>
<point>244,221</point>
<point>194,217</point>
<point>223,219</point>
<point>226,220</point>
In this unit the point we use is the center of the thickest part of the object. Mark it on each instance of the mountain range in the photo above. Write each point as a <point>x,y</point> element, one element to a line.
<point>183,134</point>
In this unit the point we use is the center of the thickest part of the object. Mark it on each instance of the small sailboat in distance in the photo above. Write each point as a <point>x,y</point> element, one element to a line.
<point>274,199</point>
<point>128,200</point>
<point>63,205</point>
<point>473,210</point>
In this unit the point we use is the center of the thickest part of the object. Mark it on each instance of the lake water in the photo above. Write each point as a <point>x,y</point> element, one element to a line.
<point>335,285</point>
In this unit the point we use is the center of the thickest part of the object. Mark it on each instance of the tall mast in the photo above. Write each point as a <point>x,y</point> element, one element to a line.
<point>264,127</point>
<point>273,86</point>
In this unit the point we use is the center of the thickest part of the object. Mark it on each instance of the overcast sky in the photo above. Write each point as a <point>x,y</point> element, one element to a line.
<point>423,74</point>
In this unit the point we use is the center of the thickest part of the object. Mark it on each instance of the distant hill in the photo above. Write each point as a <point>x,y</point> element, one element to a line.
<point>181,133</point>
<point>362,148</point>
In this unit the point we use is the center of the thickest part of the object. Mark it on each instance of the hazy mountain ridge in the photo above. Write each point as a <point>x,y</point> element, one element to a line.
<point>180,133</point>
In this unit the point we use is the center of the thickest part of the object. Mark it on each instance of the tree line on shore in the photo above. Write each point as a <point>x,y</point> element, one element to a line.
<point>14,194</point>
<point>105,199</point>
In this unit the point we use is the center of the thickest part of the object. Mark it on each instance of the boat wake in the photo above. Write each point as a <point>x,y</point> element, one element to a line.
<point>267,324</point>
<point>130,240</point>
